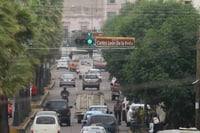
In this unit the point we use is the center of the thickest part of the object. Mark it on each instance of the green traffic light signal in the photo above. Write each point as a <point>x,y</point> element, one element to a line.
<point>89,34</point>
<point>89,41</point>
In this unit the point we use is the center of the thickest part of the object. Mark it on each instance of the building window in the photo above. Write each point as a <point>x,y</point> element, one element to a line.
<point>111,1</point>
<point>111,14</point>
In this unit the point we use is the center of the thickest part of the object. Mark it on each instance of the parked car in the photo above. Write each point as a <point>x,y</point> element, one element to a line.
<point>108,121</point>
<point>134,107</point>
<point>10,109</point>
<point>87,116</point>
<point>67,79</point>
<point>93,129</point>
<point>102,108</point>
<point>61,107</point>
<point>45,123</point>
<point>90,81</point>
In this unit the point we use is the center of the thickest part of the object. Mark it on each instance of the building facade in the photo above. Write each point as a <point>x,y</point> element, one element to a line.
<point>87,15</point>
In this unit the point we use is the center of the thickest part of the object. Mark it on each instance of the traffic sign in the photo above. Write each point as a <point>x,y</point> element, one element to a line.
<point>122,42</point>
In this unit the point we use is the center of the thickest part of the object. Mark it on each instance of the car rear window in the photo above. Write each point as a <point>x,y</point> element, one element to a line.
<point>56,105</point>
<point>102,119</point>
<point>102,109</point>
<point>91,76</point>
<point>45,120</point>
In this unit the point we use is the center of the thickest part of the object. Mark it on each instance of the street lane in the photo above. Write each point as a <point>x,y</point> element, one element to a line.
<point>55,93</point>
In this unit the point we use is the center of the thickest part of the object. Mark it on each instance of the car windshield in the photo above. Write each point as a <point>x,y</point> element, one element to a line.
<point>102,109</point>
<point>107,120</point>
<point>45,120</point>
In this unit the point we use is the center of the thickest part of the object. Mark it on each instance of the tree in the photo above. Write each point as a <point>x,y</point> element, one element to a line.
<point>9,53</point>
<point>164,62</point>
<point>20,27</point>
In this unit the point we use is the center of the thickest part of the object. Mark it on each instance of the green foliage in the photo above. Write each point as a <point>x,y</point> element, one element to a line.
<point>162,67</point>
<point>27,34</point>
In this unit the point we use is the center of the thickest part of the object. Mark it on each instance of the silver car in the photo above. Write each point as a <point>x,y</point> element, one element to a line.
<point>67,79</point>
<point>91,81</point>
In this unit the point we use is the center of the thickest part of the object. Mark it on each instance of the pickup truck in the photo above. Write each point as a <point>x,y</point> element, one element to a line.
<point>85,100</point>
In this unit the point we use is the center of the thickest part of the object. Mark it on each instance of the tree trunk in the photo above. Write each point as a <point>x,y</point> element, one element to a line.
<point>4,125</point>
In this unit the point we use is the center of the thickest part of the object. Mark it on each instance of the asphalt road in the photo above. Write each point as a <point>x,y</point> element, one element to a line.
<point>55,93</point>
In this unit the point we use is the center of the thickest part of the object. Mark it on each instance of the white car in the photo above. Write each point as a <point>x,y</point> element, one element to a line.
<point>45,123</point>
<point>93,129</point>
<point>46,113</point>
<point>62,64</point>
<point>96,71</point>
<point>132,109</point>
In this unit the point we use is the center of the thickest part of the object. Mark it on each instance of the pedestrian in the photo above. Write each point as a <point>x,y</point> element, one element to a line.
<point>34,90</point>
<point>151,126</point>
<point>155,120</point>
<point>118,111</point>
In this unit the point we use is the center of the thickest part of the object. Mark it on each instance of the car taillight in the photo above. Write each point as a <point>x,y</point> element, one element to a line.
<point>32,131</point>
<point>116,130</point>
<point>58,131</point>
<point>73,79</point>
<point>84,124</point>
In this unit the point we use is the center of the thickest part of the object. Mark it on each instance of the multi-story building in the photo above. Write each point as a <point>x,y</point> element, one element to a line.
<point>89,14</point>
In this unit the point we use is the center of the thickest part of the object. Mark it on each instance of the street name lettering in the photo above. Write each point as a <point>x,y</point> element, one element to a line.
<point>115,41</point>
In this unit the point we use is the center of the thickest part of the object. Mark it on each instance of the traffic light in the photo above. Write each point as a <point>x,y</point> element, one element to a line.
<point>90,40</point>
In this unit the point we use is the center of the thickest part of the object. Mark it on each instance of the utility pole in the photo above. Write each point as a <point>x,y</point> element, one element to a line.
<point>197,83</point>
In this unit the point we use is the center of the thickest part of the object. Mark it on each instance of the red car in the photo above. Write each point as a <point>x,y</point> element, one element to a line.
<point>10,109</point>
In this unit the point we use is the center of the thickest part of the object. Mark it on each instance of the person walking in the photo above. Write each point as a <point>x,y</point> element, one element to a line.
<point>118,111</point>
<point>155,120</point>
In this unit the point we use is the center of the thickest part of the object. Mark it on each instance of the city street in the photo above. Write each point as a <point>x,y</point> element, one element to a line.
<point>55,93</point>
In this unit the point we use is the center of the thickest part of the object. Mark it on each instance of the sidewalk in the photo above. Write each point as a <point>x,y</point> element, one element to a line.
<point>35,105</point>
